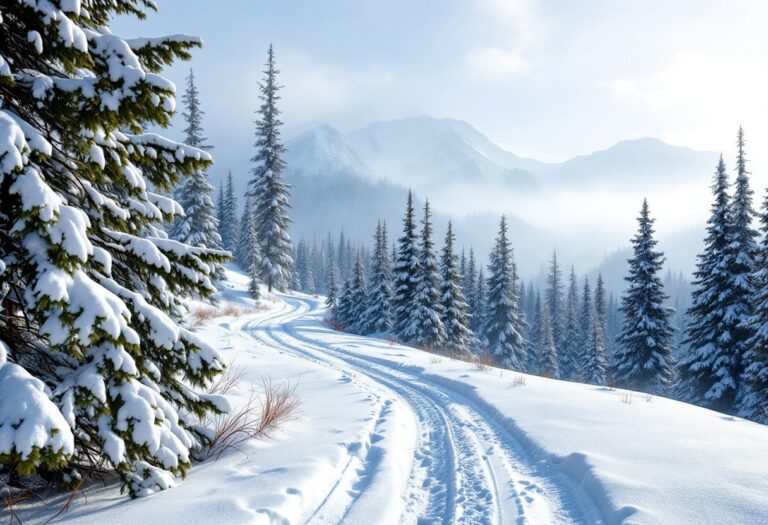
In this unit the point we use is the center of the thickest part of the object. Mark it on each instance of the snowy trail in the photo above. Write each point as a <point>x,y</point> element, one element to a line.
<point>466,467</point>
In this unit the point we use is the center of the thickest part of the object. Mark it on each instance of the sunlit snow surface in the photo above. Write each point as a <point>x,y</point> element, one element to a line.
<point>390,434</point>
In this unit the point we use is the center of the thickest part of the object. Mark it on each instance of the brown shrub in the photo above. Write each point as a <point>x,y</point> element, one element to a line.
<point>257,418</point>
<point>483,362</point>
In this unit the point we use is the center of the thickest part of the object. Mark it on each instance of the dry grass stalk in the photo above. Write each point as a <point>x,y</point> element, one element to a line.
<point>257,418</point>
<point>227,381</point>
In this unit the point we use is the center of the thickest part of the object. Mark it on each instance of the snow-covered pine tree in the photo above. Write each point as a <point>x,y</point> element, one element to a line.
<point>477,320</point>
<point>455,317</point>
<point>270,194</point>
<point>502,316</point>
<point>317,264</point>
<point>754,400</point>
<point>531,365</point>
<point>613,325</point>
<point>198,226</point>
<point>332,297</point>
<point>406,270</point>
<point>469,286</point>
<point>342,261</point>
<point>220,208</point>
<point>245,238</point>
<point>529,307</point>
<point>546,354</point>
<point>568,358</point>
<point>585,319</point>
<point>709,363</point>
<point>358,297</point>
<point>304,268</point>
<point>593,366</point>
<point>378,317</point>
<point>229,225</point>
<point>721,322</point>
<point>555,304</point>
<point>426,327</point>
<point>644,358</point>
<point>344,312</point>
<point>741,264</point>
<point>96,368</point>
<point>349,257</point>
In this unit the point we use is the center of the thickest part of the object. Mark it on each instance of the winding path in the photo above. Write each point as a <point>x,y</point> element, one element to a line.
<point>466,467</point>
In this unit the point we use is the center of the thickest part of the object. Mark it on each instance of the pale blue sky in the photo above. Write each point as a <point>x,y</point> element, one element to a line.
<point>546,79</point>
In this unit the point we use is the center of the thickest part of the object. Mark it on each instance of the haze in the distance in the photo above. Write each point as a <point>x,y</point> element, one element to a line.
<point>546,80</point>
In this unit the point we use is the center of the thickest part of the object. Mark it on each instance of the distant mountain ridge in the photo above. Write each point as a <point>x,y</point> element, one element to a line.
<point>427,153</point>
<point>351,180</point>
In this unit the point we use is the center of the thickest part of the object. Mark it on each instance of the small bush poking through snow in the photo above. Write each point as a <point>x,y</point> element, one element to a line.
<point>519,380</point>
<point>258,417</point>
<point>483,362</point>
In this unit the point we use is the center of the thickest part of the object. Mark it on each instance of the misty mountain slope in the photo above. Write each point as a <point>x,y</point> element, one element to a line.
<point>426,151</point>
<point>323,151</point>
<point>353,179</point>
<point>631,164</point>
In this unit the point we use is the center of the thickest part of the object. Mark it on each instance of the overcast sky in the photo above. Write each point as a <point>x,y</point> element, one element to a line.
<point>546,79</point>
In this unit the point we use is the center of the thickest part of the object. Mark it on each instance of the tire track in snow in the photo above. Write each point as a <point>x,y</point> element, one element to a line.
<point>432,485</point>
<point>481,475</point>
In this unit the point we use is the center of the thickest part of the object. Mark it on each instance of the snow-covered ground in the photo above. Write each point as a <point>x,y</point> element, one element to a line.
<point>391,434</point>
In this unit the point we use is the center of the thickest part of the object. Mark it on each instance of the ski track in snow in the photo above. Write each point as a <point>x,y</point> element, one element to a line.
<point>466,467</point>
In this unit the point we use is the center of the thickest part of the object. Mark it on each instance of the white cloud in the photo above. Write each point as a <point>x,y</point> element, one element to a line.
<point>521,27</point>
<point>493,63</point>
<point>623,87</point>
<point>700,99</point>
<point>519,17</point>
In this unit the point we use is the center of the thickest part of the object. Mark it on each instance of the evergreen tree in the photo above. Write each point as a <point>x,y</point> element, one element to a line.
<point>93,292</point>
<point>502,316</point>
<point>345,310</point>
<point>546,353</point>
<point>426,325</point>
<point>534,331</point>
<point>229,224</point>
<point>220,207</point>
<point>268,190</point>
<point>741,265</point>
<point>332,299</point>
<point>458,337</point>
<point>246,238</point>
<point>470,290</point>
<point>358,297</point>
<point>585,318</point>
<point>569,350</point>
<point>529,308</point>
<point>378,318</point>
<point>709,365</point>
<point>593,367</point>
<point>407,269</point>
<point>754,401</point>
<point>644,358</point>
<point>344,268</point>
<point>317,264</point>
<point>304,268</point>
<point>477,320</point>
<point>555,300</point>
<point>198,226</point>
